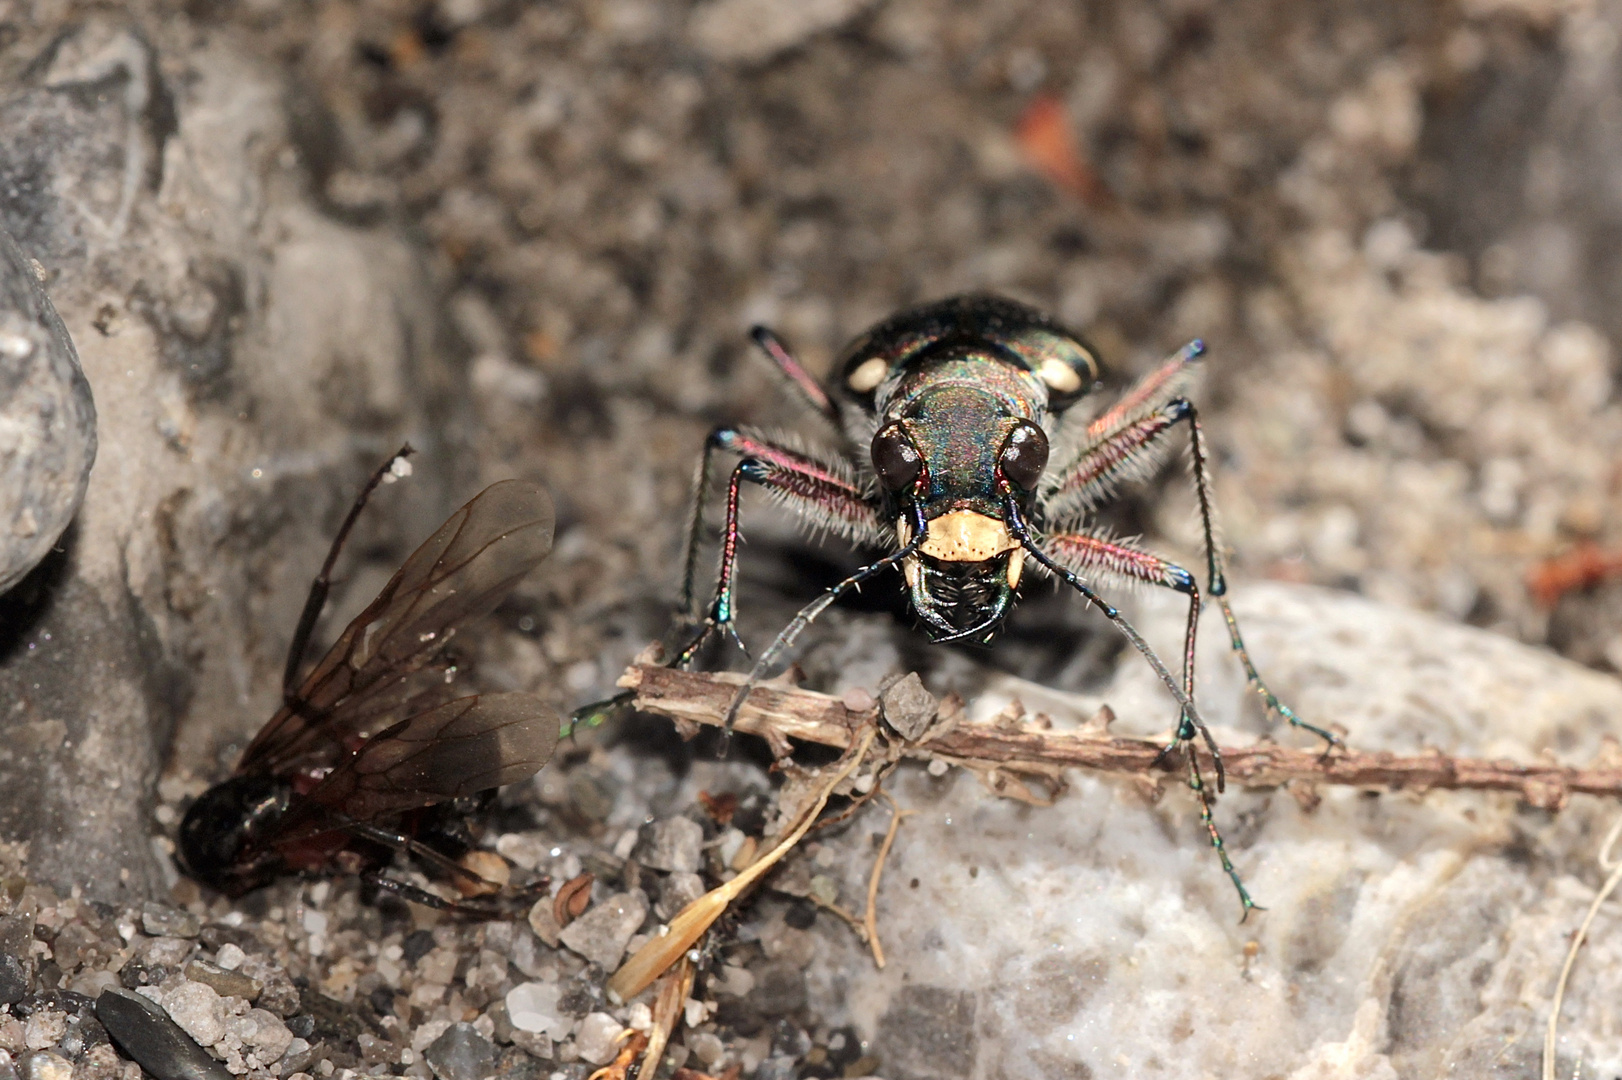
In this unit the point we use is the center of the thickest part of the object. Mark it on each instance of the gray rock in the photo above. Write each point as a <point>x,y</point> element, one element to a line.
<point>154,1041</point>
<point>461,1053</point>
<point>671,844</point>
<point>908,707</point>
<point>601,934</point>
<point>161,920</point>
<point>598,1038</point>
<point>13,979</point>
<point>250,358</point>
<point>47,415</point>
<point>198,1010</point>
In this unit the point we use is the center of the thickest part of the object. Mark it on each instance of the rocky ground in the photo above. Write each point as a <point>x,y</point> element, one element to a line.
<point>531,237</point>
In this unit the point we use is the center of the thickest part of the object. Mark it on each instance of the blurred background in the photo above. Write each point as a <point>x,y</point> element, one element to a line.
<point>531,237</point>
<point>1395,224</point>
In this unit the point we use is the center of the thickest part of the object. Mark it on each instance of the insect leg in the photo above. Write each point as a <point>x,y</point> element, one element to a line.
<point>1190,715</point>
<point>810,390</point>
<point>442,862</point>
<point>819,492</point>
<point>695,527</point>
<point>1094,555</point>
<point>1128,452</point>
<point>1207,818</point>
<point>1090,553</point>
<point>323,580</point>
<point>483,909</point>
<point>808,614</point>
<point>1219,587</point>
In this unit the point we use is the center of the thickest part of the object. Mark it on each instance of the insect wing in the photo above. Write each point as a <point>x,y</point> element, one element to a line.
<point>462,571</point>
<point>459,748</point>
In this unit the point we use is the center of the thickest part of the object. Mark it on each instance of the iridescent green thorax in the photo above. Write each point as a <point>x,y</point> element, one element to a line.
<point>958,411</point>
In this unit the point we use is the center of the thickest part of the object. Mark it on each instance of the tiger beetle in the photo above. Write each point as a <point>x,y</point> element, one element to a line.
<point>946,415</point>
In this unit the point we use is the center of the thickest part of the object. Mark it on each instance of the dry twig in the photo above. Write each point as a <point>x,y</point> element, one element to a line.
<point>1013,751</point>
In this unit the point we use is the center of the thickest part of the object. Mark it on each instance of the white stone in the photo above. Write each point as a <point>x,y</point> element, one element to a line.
<point>533,1006</point>
<point>598,1038</point>
<point>1406,935</point>
<point>198,1010</point>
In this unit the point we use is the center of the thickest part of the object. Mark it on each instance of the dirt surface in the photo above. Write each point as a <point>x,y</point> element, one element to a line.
<point>1392,224</point>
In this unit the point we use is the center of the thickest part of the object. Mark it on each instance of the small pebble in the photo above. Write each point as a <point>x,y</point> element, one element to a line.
<point>707,1047</point>
<point>44,1065</point>
<point>230,956</point>
<point>270,1037</point>
<point>673,844</point>
<point>461,1053</point>
<point>908,707</point>
<point>597,1041</point>
<point>13,979</point>
<point>8,1071</point>
<point>677,891</point>
<point>156,1042</point>
<point>857,700</point>
<point>197,1008</point>
<point>544,921</point>
<point>222,982</point>
<point>601,934</point>
<point>160,920</point>
<point>533,1007</point>
<point>44,1028</point>
<point>166,951</point>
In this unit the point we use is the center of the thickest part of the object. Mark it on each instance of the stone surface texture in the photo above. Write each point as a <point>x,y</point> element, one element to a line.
<point>249,357</point>
<point>47,419</point>
<point>1406,934</point>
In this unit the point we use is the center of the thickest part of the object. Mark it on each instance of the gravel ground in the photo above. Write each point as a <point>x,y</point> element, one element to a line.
<point>1390,222</point>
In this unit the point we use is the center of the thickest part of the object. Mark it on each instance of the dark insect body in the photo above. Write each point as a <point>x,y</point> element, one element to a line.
<point>947,416</point>
<point>372,752</point>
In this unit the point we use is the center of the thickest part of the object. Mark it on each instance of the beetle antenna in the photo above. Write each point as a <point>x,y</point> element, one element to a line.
<point>807,615</point>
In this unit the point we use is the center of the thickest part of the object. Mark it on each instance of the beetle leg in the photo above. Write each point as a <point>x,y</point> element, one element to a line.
<point>479,908</point>
<point>1130,452</point>
<point>809,389</point>
<point>1084,553</point>
<point>821,493</point>
<point>809,613</point>
<point>1219,588</point>
<point>1094,556</point>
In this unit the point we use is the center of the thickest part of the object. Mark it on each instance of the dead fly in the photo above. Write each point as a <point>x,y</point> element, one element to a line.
<point>372,753</point>
<point>947,414</point>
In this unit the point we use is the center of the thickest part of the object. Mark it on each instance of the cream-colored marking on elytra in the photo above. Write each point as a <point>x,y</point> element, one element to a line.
<point>1016,565</point>
<point>868,374</point>
<point>965,536</point>
<point>1059,376</point>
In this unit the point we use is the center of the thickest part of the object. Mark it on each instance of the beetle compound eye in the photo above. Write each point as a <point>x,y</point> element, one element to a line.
<point>895,459</point>
<point>1024,455</point>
